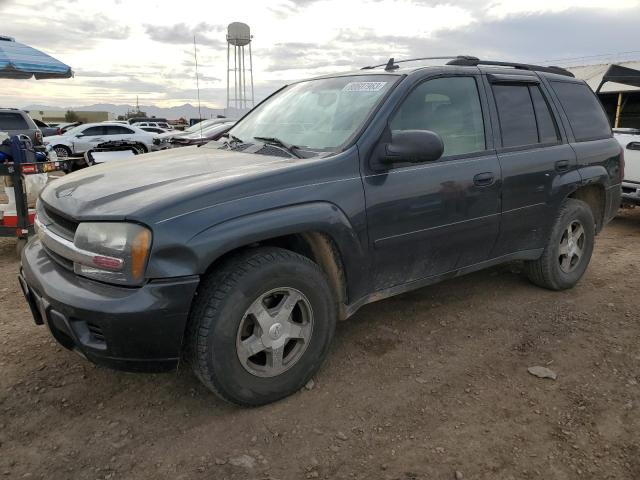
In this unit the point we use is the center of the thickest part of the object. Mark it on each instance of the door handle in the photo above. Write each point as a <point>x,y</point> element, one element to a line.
<point>483,179</point>
<point>562,165</point>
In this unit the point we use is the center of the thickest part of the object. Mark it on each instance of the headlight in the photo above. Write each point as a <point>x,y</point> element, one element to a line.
<point>117,252</point>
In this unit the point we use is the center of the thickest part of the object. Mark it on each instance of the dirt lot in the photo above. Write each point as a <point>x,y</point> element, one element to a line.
<point>416,387</point>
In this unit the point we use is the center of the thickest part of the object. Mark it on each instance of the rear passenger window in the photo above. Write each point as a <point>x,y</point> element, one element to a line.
<point>547,128</point>
<point>12,121</point>
<point>586,116</point>
<point>525,117</point>
<point>517,118</point>
<point>448,106</point>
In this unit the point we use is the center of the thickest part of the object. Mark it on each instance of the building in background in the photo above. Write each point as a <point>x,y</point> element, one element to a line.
<point>59,116</point>
<point>621,102</point>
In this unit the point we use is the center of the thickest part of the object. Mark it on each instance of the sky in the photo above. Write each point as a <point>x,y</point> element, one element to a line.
<point>120,49</point>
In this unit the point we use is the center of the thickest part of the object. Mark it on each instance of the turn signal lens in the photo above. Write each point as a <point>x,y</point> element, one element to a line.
<point>139,252</point>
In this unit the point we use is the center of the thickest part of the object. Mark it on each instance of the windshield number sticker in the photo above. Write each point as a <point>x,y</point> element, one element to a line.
<point>364,86</point>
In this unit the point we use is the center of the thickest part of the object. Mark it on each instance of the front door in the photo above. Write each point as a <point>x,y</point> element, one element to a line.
<point>88,138</point>
<point>432,218</point>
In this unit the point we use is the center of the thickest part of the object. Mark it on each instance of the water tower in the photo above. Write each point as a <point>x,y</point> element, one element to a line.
<point>238,37</point>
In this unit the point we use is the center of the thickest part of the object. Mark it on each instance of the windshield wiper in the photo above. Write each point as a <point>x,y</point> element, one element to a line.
<point>292,149</point>
<point>232,137</point>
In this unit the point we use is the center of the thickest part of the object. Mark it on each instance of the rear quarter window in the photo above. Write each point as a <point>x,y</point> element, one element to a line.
<point>12,121</point>
<point>586,116</point>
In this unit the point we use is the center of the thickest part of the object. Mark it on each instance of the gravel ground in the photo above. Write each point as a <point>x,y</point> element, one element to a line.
<point>432,384</point>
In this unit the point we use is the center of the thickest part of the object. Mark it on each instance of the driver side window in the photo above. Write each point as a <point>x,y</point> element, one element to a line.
<point>451,108</point>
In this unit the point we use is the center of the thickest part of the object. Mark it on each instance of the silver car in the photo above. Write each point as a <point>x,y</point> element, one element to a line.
<point>18,122</point>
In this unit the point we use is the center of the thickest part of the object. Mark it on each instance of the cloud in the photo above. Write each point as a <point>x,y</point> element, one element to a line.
<point>75,30</point>
<point>181,33</point>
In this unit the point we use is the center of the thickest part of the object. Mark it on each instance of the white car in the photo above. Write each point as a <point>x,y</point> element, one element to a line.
<point>629,140</point>
<point>81,138</point>
<point>163,125</point>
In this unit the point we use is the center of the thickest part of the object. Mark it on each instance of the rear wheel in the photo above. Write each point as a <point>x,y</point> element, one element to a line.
<point>140,148</point>
<point>261,326</point>
<point>569,249</point>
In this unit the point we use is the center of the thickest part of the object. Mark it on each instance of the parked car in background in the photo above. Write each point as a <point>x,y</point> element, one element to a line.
<point>18,122</point>
<point>47,130</point>
<point>241,256</point>
<point>629,140</point>
<point>81,138</point>
<point>200,137</point>
<point>64,127</point>
<point>157,130</point>
<point>163,125</point>
<point>167,137</point>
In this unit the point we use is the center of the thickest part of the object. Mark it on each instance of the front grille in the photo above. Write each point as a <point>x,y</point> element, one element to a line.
<point>59,224</point>
<point>63,262</point>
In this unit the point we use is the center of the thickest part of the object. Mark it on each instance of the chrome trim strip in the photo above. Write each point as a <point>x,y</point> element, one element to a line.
<point>67,249</point>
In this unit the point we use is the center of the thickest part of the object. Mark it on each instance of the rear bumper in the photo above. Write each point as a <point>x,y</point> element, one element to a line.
<point>631,193</point>
<point>134,329</point>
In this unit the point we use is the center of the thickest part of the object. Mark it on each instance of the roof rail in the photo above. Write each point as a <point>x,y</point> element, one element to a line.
<point>473,61</point>
<point>468,60</point>
<point>392,65</point>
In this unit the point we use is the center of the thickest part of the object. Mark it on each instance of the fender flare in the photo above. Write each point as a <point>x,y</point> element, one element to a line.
<point>323,217</point>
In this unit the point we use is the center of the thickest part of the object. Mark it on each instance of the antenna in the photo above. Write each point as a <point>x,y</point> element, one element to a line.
<point>195,56</point>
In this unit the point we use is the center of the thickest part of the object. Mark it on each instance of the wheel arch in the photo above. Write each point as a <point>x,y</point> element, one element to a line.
<point>593,195</point>
<point>319,231</point>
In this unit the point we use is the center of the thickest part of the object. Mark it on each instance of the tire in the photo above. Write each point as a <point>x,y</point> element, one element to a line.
<point>223,320</point>
<point>140,148</point>
<point>62,151</point>
<point>559,268</point>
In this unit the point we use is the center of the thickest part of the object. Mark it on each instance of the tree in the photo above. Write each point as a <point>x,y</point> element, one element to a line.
<point>71,116</point>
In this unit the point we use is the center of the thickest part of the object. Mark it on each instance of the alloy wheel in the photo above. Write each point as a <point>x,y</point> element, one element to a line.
<point>274,332</point>
<point>572,245</point>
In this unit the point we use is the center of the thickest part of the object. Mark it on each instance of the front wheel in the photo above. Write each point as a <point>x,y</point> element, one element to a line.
<point>62,151</point>
<point>569,249</point>
<point>261,326</point>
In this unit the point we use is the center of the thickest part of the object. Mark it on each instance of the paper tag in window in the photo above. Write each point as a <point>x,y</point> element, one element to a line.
<point>364,86</point>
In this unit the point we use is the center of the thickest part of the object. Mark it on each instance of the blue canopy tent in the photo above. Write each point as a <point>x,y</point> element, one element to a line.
<point>22,62</point>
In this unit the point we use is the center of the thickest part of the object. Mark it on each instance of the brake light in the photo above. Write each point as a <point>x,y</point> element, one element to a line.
<point>621,163</point>
<point>59,131</point>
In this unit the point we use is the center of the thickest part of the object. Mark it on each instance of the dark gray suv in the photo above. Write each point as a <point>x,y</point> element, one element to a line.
<point>18,122</point>
<point>241,255</point>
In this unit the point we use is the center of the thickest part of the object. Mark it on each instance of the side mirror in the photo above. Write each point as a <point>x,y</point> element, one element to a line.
<point>80,135</point>
<point>414,146</point>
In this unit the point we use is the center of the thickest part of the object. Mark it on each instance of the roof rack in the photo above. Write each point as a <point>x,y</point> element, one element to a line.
<point>467,60</point>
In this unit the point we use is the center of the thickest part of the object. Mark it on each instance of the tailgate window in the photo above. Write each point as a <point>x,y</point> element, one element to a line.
<point>12,121</point>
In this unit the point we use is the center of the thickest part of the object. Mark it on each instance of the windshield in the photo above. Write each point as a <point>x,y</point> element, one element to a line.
<point>316,114</point>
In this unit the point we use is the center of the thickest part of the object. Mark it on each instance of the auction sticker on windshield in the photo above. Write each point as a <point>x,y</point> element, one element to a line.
<point>364,86</point>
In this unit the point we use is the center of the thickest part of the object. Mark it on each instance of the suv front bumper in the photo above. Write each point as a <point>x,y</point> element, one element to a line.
<point>134,329</point>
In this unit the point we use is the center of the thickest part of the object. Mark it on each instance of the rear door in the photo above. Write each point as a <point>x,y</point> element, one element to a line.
<point>117,132</point>
<point>534,156</point>
<point>435,217</point>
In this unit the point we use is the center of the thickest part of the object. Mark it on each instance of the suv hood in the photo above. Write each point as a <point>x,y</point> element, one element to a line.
<point>157,185</point>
